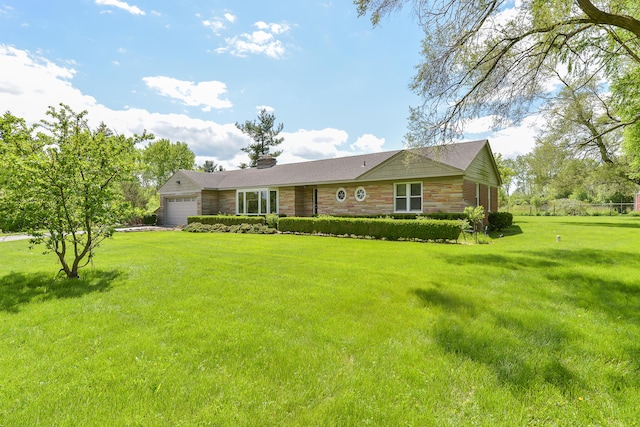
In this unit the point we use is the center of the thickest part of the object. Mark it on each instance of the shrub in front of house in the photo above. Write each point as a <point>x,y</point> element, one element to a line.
<point>295,224</point>
<point>445,215</point>
<point>433,215</point>
<point>196,227</point>
<point>374,227</point>
<point>151,219</point>
<point>500,220</point>
<point>226,219</point>
<point>272,220</point>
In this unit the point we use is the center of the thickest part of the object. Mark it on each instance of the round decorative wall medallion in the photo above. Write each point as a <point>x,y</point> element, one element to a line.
<point>341,195</point>
<point>360,194</point>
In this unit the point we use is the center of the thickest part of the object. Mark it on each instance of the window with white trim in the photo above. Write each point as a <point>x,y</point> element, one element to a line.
<point>341,195</point>
<point>407,197</point>
<point>260,201</point>
<point>360,194</point>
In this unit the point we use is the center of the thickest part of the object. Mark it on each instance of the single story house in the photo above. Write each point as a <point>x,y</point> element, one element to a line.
<point>444,178</point>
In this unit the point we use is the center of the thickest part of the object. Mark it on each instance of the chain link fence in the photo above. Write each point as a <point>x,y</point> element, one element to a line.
<point>571,207</point>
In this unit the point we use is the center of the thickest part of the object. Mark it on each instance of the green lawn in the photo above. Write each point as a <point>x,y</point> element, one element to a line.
<point>174,328</point>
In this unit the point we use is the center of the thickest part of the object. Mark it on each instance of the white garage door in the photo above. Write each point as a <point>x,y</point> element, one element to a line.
<point>179,208</point>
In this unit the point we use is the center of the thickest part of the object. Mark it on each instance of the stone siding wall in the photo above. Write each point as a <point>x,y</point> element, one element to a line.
<point>287,201</point>
<point>209,203</point>
<point>227,202</point>
<point>443,195</point>
<point>438,195</point>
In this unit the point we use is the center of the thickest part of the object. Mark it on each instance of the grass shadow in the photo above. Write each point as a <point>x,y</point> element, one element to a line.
<point>519,353</point>
<point>512,230</point>
<point>19,289</point>
<point>512,261</point>
<point>447,301</point>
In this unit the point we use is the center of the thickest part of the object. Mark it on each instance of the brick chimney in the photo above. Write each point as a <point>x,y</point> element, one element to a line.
<point>265,162</point>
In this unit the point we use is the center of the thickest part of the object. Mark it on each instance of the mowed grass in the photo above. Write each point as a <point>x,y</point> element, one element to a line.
<point>174,328</point>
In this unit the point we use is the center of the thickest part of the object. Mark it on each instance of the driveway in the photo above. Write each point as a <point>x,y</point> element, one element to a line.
<point>13,237</point>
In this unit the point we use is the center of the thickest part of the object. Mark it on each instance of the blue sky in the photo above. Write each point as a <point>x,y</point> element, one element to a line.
<point>188,70</point>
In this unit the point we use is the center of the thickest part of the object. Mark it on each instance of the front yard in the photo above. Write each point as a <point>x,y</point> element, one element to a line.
<point>179,328</point>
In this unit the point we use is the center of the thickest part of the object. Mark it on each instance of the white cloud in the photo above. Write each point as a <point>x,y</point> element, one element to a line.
<point>205,94</point>
<point>510,141</point>
<point>134,10</point>
<point>368,143</point>
<point>265,107</point>
<point>31,84</point>
<point>272,27</point>
<point>5,9</point>
<point>216,25</point>
<point>305,145</point>
<point>262,41</point>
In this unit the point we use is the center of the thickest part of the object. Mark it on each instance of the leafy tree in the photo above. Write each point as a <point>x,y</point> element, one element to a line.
<point>264,135</point>
<point>523,178</point>
<point>580,122</point>
<point>578,119</point>
<point>64,182</point>
<point>626,92</point>
<point>209,166</point>
<point>507,174</point>
<point>478,60</point>
<point>162,158</point>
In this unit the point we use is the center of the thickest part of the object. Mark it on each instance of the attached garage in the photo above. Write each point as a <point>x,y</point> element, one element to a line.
<point>179,208</point>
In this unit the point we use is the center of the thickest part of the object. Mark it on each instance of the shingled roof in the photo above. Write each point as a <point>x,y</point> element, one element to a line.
<point>341,169</point>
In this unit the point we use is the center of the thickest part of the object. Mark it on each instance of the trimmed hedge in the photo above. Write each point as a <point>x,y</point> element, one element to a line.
<point>150,219</point>
<point>374,227</point>
<point>434,215</point>
<point>500,220</point>
<point>226,219</point>
<point>445,215</point>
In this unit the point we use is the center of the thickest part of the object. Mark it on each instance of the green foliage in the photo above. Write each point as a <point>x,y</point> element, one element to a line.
<point>433,215</point>
<point>475,215</point>
<point>196,227</point>
<point>162,158</point>
<point>226,219</point>
<point>64,183</point>
<point>435,230</point>
<point>444,215</point>
<point>500,220</point>
<point>489,58</point>
<point>150,219</point>
<point>626,92</point>
<point>210,166</point>
<point>272,220</point>
<point>264,133</point>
